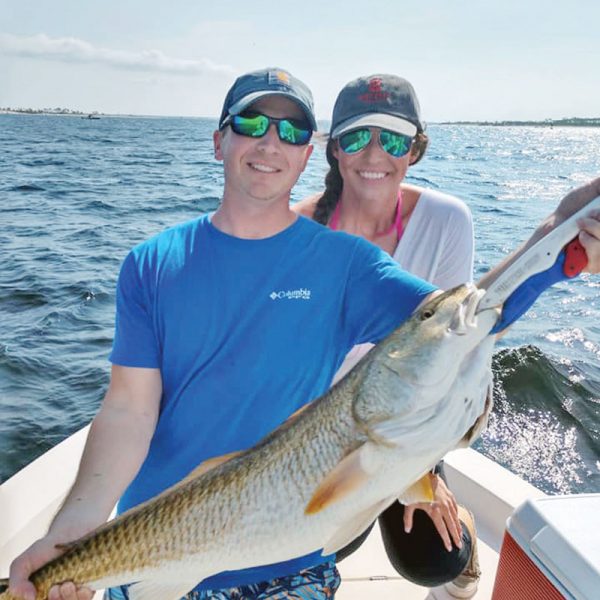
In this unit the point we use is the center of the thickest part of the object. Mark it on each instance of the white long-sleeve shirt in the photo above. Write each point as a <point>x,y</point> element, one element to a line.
<point>437,245</point>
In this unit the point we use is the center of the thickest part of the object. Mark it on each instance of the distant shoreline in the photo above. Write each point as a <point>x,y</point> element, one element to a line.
<point>570,122</point>
<point>92,115</point>
<point>49,111</point>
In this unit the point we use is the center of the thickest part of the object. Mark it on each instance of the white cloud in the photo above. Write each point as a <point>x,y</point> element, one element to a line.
<point>70,50</point>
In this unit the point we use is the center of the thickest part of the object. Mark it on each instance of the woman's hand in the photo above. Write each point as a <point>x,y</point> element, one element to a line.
<point>443,511</point>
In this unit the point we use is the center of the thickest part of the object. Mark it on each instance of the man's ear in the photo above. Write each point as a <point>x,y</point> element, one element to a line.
<point>217,141</point>
<point>309,151</point>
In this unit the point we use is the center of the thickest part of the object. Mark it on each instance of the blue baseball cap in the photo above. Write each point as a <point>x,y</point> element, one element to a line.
<point>250,87</point>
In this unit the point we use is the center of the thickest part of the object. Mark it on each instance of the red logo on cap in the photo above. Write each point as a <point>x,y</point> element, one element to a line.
<point>375,84</point>
<point>375,93</point>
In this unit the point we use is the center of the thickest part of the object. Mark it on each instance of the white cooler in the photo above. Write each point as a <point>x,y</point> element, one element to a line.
<point>551,550</point>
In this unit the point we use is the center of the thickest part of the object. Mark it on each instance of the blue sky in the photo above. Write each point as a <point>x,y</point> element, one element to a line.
<point>527,59</point>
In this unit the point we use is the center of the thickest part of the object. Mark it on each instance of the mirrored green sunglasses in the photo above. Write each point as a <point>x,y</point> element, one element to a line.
<point>256,125</point>
<point>395,144</point>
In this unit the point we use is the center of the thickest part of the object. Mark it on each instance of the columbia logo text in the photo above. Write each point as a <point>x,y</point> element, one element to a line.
<point>301,294</point>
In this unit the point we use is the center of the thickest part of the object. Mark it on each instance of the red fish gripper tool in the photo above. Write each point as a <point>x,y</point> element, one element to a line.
<point>575,258</point>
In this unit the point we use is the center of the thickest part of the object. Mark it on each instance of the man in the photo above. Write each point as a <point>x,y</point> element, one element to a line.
<point>226,326</point>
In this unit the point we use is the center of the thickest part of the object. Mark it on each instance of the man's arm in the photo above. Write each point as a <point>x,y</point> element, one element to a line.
<point>517,289</point>
<point>117,445</point>
<point>589,236</point>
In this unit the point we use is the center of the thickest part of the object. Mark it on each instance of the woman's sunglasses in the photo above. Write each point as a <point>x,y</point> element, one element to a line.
<point>256,125</point>
<point>395,144</point>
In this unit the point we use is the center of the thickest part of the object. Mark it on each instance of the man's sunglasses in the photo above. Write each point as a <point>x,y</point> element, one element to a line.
<point>256,125</point>
<point>395,144</point>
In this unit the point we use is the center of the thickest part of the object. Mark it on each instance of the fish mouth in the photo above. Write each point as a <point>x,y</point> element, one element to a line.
<point>465,317</point>
<point>487,312</point>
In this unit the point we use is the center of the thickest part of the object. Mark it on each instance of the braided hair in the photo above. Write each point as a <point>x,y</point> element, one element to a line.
<point>333,188</point>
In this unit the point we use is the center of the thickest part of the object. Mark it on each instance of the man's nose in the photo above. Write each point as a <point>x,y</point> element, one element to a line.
<point>271,138</point>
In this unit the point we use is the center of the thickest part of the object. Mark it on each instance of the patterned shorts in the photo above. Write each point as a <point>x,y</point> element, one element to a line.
<point>317,583</point>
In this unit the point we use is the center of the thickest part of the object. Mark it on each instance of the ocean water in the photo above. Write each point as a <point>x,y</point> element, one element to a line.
<point>76,194</point>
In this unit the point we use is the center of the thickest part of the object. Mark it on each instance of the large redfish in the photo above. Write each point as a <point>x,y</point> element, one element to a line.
<point>316,482</point>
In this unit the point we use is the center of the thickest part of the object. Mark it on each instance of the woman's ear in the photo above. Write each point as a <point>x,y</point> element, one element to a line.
<point>335,149</point>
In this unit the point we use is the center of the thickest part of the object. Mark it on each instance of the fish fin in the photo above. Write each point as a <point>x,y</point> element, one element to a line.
<point>391,431</point>
<point>64,546</point>
<point>208,464</point>
<point>481,423</point>
<point>296,414</point>
<point>150,589</point>
<point>352,529</point>
<point>348,475</point>
<point>215,461</point>
<point>420,491</point>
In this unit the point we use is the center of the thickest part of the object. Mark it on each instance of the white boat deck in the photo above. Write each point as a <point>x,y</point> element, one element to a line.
<point>30,498</point>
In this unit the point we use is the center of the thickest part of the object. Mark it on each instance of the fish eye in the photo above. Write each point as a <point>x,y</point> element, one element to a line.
<point>427,313</point>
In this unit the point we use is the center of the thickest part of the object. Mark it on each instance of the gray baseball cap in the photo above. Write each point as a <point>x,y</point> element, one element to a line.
<point>250,87</point>
<point>385,101</point>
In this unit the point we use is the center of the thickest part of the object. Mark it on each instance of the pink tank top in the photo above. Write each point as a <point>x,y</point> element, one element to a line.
<point>397,224</point>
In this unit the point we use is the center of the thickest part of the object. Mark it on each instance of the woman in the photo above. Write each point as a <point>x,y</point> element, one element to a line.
<point>376,134</point>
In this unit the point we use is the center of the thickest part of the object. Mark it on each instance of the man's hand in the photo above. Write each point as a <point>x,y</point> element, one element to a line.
<point>576,200</point>
<point>36,556</point>
<point>589,238</point>
<point>590,225</point>
<point>569,205</point>
<point>443,511</point>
